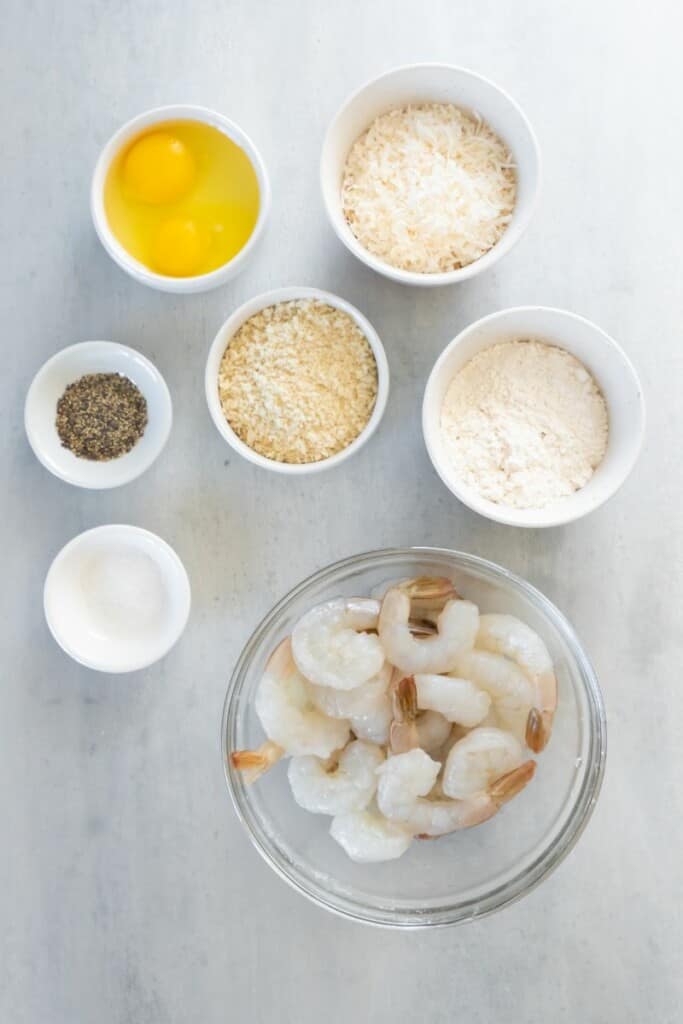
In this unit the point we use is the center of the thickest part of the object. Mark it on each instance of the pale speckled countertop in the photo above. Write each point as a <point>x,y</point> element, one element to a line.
<point>130,892</point>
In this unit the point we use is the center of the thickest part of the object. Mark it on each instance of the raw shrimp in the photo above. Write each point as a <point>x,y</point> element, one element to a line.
<point>346,784</point>
<point>506,635</point>
<point>287,714</point>
<point>402,779</point>
<point>409,727</point>
<point>457,627</point>
<point>367,837</point>
<point>457,732</point>
<point>374,725</point>
<point>458,700</point>
<point>367,707</point>
<point>406,779</point>
<point>432,731</point>
<point>492,720</point>
<point>506,684</point>
<point>428,596</point>
<point>253,763</point>
<point>331,644</point>
<point>478,759</point>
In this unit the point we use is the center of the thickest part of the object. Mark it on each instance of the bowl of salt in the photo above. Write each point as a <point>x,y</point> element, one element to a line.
<point>117,598</point>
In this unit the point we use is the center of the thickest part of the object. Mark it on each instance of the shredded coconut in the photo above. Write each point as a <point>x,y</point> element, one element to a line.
<point>524,424</point>
<point>429,188</point>
<point>298,381</point>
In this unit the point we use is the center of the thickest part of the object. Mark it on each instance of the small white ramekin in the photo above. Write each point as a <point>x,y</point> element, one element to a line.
<point>431,83</point>
<point>608,364</point>
<point>65,367</point>
<point>221,342</point>
<point>141,273</point>
<point>84,636</point>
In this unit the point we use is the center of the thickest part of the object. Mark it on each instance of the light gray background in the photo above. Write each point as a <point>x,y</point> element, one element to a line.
<point>129,892</point>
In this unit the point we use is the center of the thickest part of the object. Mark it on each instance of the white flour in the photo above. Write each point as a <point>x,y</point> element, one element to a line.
<point>524,424</point>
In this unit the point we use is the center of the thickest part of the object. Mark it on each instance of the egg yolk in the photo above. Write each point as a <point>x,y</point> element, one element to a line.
<point>177,248</point>
<point>158,168</point>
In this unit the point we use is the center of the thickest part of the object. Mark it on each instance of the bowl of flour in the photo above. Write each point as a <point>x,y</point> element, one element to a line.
<point>533,416</point>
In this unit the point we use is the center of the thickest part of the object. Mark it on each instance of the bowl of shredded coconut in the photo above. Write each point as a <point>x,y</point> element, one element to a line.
<point>533,416</point>
<point>430,174</point>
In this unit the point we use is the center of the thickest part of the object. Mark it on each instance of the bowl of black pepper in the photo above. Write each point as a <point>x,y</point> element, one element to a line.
<point>98,414</point>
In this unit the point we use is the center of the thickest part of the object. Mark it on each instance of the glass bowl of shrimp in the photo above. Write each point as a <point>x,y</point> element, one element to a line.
<point>438,716</point>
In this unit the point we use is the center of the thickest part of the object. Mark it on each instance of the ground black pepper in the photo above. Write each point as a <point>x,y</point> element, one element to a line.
<point>101,416</point>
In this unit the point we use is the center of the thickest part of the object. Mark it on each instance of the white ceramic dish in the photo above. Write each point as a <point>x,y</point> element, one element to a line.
<point>221,342</point>
<point>47,388</point>
<point>202,282</point>
<point>79,626</point>
<point>424,83</point>
<point>599,353</point>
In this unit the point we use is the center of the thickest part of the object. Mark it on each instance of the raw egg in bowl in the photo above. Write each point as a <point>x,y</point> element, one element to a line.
<point>179,198</point>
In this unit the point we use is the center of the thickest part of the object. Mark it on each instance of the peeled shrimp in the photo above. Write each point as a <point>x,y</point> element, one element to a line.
<point>409,727</point>
<point>287,714</point>
<point>432,731</point>
<point>457,627</point>
<point>458,700</point>
<point>347,784</point>
<point>510,690</point>
<point>478,759</point>
<point>373,725</point>
<point>406,779</point>
<point>331,647</point>
<point>506,635</point>
<point>367,836</point>
<point>402,779</point>
<point>367,707</point>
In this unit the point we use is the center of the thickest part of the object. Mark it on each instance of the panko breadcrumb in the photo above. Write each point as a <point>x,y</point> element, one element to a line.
<point>298,381</point>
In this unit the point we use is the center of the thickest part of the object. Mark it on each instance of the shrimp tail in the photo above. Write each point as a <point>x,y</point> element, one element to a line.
<point>404,699</point>
<point>429,595</point>
<point>538,728</point>
<point>512,783</point>
<point>281,661</point>
<point>421,627</point>
<point>403,730</point>
<point>254,763</point>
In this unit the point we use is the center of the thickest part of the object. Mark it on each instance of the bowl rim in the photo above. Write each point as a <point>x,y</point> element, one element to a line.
<point>533,518</point>
<point>508,239</point>
<point>136,468</point>
<point>120,255</point>
<point>225,335</point>
<point>180,578</point>
<point>544,864</point>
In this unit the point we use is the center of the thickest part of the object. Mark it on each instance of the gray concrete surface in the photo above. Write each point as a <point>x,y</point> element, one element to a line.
<point>129,891</point>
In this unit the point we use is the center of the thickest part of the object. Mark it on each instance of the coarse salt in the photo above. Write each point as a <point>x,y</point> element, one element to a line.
<point>124,592</point>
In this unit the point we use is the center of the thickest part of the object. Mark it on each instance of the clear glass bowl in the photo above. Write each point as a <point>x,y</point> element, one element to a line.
<point>470,873</point>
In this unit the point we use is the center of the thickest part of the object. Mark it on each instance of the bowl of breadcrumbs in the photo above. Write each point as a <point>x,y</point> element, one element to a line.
<point>296,380</point>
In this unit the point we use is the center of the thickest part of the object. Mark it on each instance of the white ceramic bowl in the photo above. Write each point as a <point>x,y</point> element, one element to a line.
<point>201,282</point>
<point>221,342</point>
<point>425,83</point>
<point>48,386</point>
<point>84,629</point>
<point>611,369</point>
